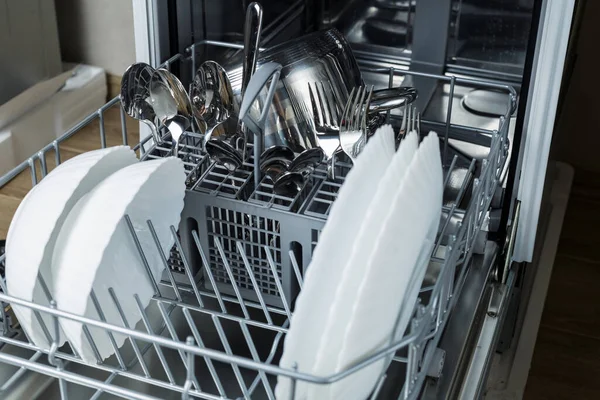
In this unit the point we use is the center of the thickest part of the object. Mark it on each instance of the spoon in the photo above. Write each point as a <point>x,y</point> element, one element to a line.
<point>135,96</point>
<point>171,104</point>
<point>212,100</point>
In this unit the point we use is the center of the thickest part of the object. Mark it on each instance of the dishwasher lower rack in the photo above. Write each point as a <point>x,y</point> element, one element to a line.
<point>201,338</point>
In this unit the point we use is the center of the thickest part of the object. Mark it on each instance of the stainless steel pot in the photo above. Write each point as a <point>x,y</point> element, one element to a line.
<point>323,56</point>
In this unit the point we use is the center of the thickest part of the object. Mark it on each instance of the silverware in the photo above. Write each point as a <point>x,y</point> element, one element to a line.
<point>267,72</point>
<point>411,121</point>
<point>353,124</point>
<point>323,117</point>
<point>135,96</point>
<point>389,99</point>
<point>213,104</point>
<point>171,104</point>
<point>252,31</point>
<point>275,163</point>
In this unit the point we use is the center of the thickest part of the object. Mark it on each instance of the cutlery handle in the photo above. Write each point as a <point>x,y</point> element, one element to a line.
<point>252,31</point>
<point>257,83</point>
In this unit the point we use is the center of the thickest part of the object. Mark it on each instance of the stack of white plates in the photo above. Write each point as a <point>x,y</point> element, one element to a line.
<point>38,220</point>
<point>95,250</point>
<point>371,278</point>
<point>71,231</point>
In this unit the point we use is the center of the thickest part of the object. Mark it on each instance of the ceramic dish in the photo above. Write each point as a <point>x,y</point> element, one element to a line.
<point>37,222</point>
<point>329,259</point>
<point>96,252</point>
<point>391,274</point>
<point>364,243</point>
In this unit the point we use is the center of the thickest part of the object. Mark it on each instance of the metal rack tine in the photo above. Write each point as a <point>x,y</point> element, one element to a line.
<point>140,250</point>
<point>52,359</point>
<point>186,266</point>
<point>190,368</point>
<point>208,361</point>
<point>286,307</point>
<point>37,314</point>
<point>43,166</point>
<point>40,321</point>
<point>124,126</point>
<point>380,383</point>
<point>293,381</point>
<point>227,347</point>
<point>108,380</point>
<point>255,357</point>
<point>109,333</point>
<point>208,272</point>
<point>259,295</point>
<point>296,268</point>
<point>31,162</point>
<point>231,277</point>
<point>173,334</point>
<point>448,121</point>
<point>271,355</point>
<point>390,86</point>
<point>102,128</point>
<point>158,349</point>
<point>164,259</point>
<point>19,373</point>
<point>134,345</point>
<point>450,169</point>
<point>56,152</point>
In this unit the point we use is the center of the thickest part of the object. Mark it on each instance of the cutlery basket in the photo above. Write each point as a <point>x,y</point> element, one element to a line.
<point>216,328</point>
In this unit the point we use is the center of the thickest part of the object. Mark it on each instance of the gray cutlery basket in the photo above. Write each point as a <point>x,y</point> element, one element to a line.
<point>225,211</point>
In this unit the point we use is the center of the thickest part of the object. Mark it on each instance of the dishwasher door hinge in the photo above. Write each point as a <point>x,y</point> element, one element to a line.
<point>505,261</point>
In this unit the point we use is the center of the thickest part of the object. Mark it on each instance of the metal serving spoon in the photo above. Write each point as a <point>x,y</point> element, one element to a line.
<point>171,104</point>
<point>212,100</point>
<point>135,96</point>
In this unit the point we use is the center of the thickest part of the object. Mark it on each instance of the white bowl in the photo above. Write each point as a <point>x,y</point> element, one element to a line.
<point>95,250</point>
<point>37,222</point>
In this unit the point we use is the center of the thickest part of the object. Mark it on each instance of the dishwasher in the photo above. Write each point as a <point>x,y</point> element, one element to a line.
<point>489,76</point>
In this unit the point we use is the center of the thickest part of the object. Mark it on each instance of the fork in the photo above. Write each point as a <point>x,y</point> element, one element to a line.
<point>353,123</point>
<point>325,114</point>
<point>411,121</point>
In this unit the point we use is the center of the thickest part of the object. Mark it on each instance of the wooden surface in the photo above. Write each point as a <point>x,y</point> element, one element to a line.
<point>86,139</point>
<point>566,360</point>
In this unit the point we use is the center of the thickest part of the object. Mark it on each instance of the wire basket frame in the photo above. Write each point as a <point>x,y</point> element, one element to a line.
<point>154,351</point>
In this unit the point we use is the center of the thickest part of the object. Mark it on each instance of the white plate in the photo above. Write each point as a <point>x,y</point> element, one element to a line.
<point>95,250</point>
<point>37,222</point>
<point>329,259</point>
<point>391,276</point>
<point>373,220</point>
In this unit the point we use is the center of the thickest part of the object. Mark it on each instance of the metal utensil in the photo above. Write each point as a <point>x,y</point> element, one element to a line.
<point>252,31</point>
<point>325,110</point>
<point>135,96</point>
<point>353,124</point>
<point>171,104</point>
<point>323,117</point>
<point>213,104</point>
<point>275,163</point>
<point>389,99</point>
<point>411,121</point>
<point>269,71</point>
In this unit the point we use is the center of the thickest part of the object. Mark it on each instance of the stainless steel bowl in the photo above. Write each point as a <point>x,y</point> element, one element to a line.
<point>323,56</point>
